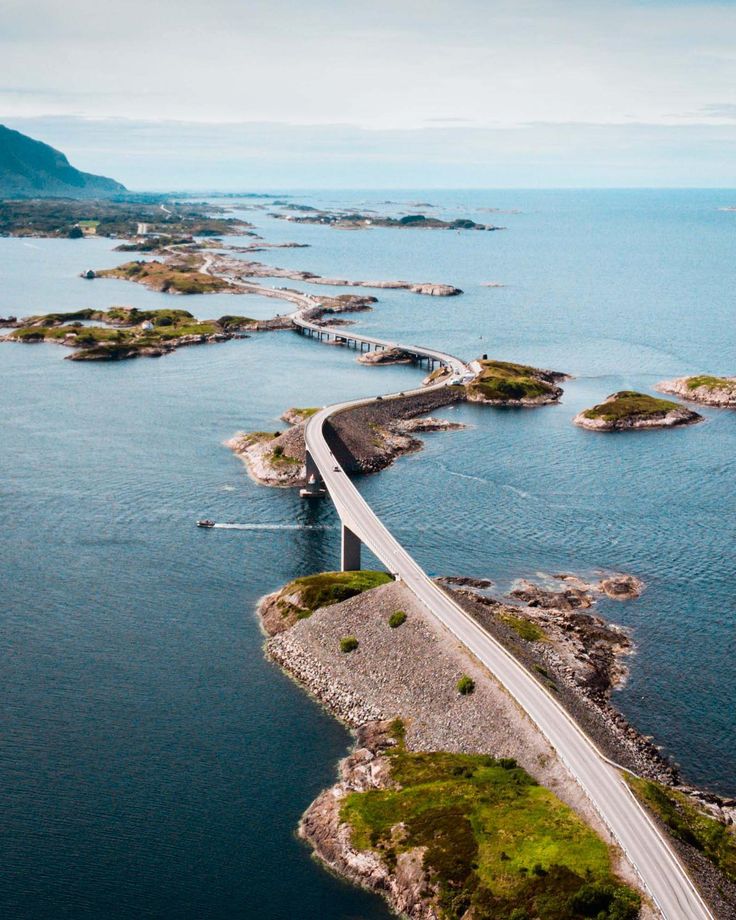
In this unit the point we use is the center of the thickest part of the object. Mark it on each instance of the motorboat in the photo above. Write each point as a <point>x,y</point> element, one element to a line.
<point>205,523</point>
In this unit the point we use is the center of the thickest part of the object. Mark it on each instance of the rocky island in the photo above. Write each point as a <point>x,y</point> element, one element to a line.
<point>628,410</point>
<point>503,383</point>
<point>346,220</point>
<point>704,388</point>
<point>131,333</point>
<point>180,274</point>
<point>365,439</point>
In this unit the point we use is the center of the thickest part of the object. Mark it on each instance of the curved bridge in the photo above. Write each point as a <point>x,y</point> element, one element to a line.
<point>659,868</point>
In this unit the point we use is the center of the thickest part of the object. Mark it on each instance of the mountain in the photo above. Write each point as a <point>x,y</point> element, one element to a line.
<point>32,169</point>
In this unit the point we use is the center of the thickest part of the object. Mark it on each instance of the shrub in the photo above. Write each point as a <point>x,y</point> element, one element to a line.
<point>278,451</point>
<point>396,619</point>
<point>348,644</point>
<point>465,685</point>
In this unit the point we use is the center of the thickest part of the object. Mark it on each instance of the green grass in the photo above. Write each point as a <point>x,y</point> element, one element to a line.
<point>124,327</point>
<point>180,277</point>
<point>329,588</point>
<point>713,383</point>
<point>503,380</point>
<point>715,841</point>
<point>348,644</point>
<point>496,843</point>
<point>466,685</point>
<point>524,628</point>
<point>397,618</point>
<point>630,404</point>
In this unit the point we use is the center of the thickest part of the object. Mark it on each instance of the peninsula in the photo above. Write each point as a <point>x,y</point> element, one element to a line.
<point>364,646</point>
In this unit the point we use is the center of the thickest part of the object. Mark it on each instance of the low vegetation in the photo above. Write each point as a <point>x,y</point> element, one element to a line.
<point>466,685</point>
<point>126,331</point>
<point>59,217</point>
<point>497,845</point>
<point>301,597</point>
<point>524,628</point>
<point>180,276</point>
<point>713,383</point>
<point>628,404</point>
<point>502,381</point>
<point>348,644</point>
<point>716,841</point>
<point>398,618</point>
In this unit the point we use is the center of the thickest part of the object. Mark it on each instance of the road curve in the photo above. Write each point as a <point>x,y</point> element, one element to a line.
<point>661,872</point>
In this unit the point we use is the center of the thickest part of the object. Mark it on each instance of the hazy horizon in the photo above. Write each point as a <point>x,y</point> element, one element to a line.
<point>498,94</point>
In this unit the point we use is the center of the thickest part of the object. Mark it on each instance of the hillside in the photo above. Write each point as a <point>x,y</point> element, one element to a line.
<point>32,169</point>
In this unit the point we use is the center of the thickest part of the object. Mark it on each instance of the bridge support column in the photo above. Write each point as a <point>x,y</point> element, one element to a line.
<point>315,487</point>
<point>350,551</point>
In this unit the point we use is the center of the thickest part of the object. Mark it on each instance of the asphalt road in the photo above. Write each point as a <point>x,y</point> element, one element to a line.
<point>659,868</point>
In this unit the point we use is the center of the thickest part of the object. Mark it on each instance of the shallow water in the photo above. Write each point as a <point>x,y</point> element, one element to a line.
<point>154,764</point>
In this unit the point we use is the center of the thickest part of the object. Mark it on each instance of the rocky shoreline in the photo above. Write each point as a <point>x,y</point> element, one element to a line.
<point>705,389</point>
<point>410,673</point>
<point>366,439</point>
<point>628,410</point>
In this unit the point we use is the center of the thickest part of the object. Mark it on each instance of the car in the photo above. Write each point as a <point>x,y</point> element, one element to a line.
<point>335,469</point>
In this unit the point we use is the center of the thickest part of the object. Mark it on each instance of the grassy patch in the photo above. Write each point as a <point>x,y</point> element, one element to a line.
<point>124,327</point>
<point>715,841</point>
<point>496,842</point>
<point>329,588</point>
<point>503,380</point>
<point>397,618</point>
<point>713,383</point>
<point>524,628</point>
<point>180,277</point>
<point>630,404</point>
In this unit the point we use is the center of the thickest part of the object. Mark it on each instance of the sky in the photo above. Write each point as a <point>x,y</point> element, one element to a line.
<point>239,94</point>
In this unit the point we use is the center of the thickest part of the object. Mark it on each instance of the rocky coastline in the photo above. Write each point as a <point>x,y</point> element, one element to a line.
<point>410,673</point>
<point>704,389</point>
<point>366,439</point>
<point>504,383</point>
<point>628,410</point>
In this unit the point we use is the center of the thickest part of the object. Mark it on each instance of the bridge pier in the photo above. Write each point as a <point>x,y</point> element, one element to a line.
<point>349,551</point>
<point>315,487</point>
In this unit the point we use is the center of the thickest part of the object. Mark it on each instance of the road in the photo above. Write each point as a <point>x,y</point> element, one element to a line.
<point>660,870</point>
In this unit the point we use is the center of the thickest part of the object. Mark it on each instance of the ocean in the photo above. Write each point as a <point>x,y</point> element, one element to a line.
<point>153,762</point>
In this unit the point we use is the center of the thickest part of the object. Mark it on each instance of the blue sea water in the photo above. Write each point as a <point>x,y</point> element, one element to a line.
<point>153,763</point>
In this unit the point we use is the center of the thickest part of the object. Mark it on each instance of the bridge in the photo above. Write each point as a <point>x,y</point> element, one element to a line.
<point>660,870</point>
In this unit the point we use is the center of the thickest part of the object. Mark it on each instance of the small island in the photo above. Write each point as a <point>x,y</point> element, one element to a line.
<point>503,383</point>
<point>180,274</point>
<point>704,389</point>
<point>628,410</point>
<point>346,220</point>
<point>131,333</point>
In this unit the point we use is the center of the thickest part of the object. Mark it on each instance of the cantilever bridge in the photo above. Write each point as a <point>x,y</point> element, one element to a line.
<point>659,868</point>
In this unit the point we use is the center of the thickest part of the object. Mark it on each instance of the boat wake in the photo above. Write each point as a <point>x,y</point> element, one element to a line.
<point>276,526</point>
